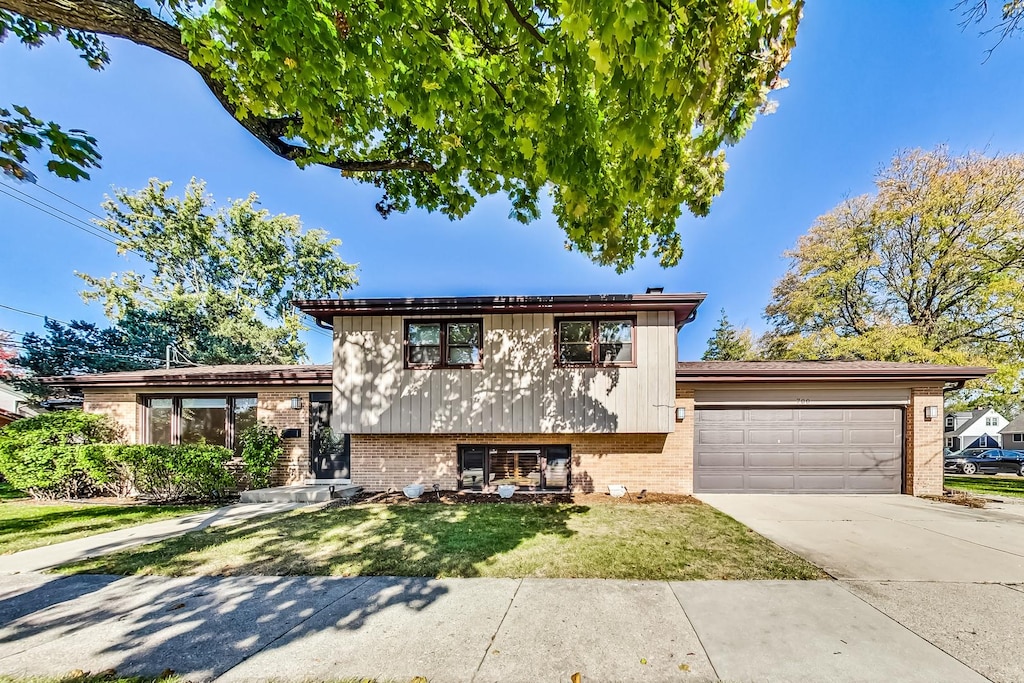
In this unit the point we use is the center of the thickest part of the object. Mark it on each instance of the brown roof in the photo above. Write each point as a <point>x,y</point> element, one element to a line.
<point>684,305</point>
<point>822,371</point>
<point>1015,426</point>
<point>204,375</point>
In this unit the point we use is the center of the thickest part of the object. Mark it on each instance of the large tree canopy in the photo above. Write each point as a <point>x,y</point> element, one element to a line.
<point>620,108</point>
<point>217,289</point>
<point>930,267</point>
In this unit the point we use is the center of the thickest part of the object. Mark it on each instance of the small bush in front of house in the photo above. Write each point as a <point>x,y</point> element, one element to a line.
<point>261,449</point>
<point>168,473</point>
<point>41,455</point>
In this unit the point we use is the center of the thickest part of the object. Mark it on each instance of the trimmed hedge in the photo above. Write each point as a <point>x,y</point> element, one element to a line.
<point>40,455</point>
<point>161,472</point>
<point>70,455</point>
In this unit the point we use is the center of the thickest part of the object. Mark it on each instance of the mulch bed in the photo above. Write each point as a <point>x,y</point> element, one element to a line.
<point>476,498</point>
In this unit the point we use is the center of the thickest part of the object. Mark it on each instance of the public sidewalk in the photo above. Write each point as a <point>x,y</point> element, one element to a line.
<point>48,557</point>
<point>322,628</point>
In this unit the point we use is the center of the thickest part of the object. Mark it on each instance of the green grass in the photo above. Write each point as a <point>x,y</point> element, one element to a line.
<point>620,541</point>
<point>991,485</point>
<point>28,524</point>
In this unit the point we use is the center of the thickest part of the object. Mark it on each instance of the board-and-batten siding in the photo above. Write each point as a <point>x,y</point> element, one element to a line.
<point>518,390</point>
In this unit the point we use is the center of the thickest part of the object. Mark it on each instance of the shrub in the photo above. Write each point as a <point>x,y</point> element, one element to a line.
<point>261,449</point>
<point>40,455</point>
<point>174,472</point>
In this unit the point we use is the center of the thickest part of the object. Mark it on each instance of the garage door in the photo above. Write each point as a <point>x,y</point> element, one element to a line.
<point>798,450</point>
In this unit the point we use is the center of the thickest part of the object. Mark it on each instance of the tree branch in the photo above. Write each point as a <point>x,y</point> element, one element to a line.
<point>521,20</point>
<point>125,19</point>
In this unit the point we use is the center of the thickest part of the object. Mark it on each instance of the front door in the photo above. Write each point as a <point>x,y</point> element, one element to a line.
<point>328,452</point>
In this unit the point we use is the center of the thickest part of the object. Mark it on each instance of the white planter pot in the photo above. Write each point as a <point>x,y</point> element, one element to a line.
<point>616,490</point>
<point>413,491</point>
<point>506,490</point>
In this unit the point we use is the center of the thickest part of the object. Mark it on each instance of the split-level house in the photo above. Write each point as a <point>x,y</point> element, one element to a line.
<point>974,429</point>
<point>552,393</point>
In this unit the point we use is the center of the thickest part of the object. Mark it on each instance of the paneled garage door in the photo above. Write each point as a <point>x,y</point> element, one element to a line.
<point>798,450</point>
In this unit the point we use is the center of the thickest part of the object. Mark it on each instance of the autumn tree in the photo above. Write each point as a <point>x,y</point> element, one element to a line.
<point>929,267</point>
<point>620,110</point>
<point>7,354</point>
<point>730,343</point>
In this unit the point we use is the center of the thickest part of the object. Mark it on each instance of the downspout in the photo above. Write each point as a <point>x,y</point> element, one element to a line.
<point>320,323</point>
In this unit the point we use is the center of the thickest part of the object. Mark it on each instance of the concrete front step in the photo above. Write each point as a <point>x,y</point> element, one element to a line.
<point>299,494</point>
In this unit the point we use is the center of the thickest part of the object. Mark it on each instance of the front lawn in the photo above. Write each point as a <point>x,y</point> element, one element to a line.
<point>990,485</point>
<point>599,540</point>
<point>28,524</point>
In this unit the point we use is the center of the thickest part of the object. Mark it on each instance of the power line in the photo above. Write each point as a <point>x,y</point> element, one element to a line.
<point>59,196</point>
<point>36,315</point>
<point>74,222</point>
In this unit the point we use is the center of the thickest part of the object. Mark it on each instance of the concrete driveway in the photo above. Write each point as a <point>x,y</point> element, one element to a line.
<point>952,575</point>
<point>888,538</point>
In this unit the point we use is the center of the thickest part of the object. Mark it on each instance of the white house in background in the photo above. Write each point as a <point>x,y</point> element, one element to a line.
<point>1013,434</point>
<point>974,429</point>
<point>13,405</point>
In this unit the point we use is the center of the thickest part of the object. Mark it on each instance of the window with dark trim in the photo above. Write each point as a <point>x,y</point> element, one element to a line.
<point>531,468</point>
<point>444,343</point>
<point>595,341</point>
<point>217,420</point>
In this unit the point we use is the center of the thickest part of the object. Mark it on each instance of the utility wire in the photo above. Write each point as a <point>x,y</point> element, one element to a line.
<point>60,196</point>
<point>37,315</point>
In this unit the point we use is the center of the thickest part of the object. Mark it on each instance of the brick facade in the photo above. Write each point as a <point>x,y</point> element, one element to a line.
<point>656,462</point>
<point>922,470</point>
<point>273,407</point>
<point>122,406</point>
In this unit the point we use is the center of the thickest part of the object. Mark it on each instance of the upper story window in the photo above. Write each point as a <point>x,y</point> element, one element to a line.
<point>991,422</point>
<point>595,341</point>
<point>443,343</point>
<point>950,421</point>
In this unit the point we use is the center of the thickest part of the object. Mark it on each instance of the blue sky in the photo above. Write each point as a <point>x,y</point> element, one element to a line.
<point>867,79</point>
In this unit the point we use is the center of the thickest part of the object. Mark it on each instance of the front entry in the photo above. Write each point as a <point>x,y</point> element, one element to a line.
<point>328,452</point>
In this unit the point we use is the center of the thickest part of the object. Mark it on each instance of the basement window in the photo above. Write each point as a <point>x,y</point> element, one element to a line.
<point>530,468</point>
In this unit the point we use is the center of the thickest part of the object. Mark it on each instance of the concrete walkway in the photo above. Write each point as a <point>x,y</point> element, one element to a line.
<point>48,557</point>
<point>291,629</point>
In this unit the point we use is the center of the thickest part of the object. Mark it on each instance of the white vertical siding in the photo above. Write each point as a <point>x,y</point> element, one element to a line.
<point>519,390</point>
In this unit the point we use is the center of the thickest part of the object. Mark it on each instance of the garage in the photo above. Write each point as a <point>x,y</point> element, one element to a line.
<point>843,449</point>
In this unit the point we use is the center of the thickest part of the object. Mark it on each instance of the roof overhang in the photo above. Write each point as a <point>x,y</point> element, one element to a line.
<point>683,305</point>
<point>309,375</point>
<point>712,372</point>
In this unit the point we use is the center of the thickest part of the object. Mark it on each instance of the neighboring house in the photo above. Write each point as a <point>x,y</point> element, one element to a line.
<point>14,405</point>
<point>974,429</point>
<point>1012,435</point>
<point>553,393</point>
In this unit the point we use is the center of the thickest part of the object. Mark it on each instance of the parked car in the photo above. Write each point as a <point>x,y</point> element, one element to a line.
<point>986,461</point>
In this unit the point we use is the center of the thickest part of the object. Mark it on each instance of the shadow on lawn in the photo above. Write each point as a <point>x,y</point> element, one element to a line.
<point>204,626</point>
<point>426,540</point>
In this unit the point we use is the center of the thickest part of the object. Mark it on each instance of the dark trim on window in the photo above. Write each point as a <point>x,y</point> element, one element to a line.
<point>230,440</point>
<point>542,464</point>
<point>443,362</point>
<point>595,344</point>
